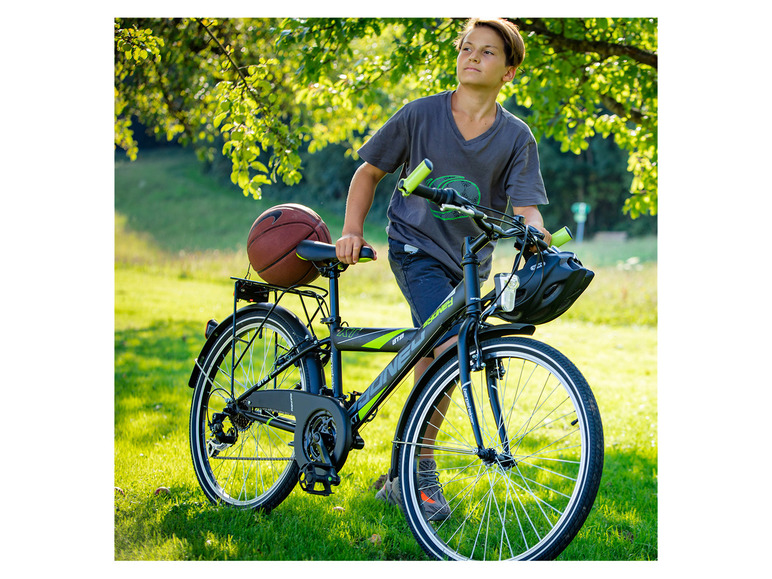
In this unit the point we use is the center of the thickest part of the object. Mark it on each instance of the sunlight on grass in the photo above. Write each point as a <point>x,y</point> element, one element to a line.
<point>164,295</point>
<point>159,329</point>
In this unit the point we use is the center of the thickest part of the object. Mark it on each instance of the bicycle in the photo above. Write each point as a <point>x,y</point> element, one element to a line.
<point>519,451</point>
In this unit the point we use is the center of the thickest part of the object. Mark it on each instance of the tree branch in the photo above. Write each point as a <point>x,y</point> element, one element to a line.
<point>618,109</point>
<point>227,54</point>
<point>604,49</point>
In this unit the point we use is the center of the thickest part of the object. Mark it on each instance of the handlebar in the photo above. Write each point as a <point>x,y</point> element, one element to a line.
<point>408,185</point>
<point>412,185</point>
<point>451,198</point>
<point>561,236</point>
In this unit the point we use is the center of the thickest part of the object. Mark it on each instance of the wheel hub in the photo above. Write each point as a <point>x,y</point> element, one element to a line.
<point>503,459</point>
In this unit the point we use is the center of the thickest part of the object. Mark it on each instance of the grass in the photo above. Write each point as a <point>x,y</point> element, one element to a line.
<point>172,274</point>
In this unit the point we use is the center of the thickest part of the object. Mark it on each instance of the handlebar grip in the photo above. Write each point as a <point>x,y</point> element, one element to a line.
<point>409,183</point>
<point>561,236</point>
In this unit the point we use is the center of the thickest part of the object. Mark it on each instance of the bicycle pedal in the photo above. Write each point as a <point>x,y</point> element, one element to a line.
<point>314,473</point>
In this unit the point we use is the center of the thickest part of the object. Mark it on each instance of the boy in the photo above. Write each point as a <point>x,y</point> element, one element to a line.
<point>476,147</point>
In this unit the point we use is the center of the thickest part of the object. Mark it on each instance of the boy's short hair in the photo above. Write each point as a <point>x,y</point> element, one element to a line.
<point>514,47</point>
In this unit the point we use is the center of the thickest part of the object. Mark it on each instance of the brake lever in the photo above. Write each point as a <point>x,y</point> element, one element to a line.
<point>535,232</point>
<point>471,212</point>
<point>531,237</point>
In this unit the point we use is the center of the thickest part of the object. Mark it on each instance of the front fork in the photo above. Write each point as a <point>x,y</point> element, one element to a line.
<point>470,359</point>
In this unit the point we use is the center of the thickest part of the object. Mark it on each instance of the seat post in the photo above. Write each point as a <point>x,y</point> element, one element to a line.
<point>333,323</point>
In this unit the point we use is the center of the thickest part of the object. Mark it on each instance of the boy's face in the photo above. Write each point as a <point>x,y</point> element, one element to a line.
<point>481,60</point>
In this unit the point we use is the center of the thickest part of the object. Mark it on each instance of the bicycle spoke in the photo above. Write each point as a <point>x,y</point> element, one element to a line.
<point>501,505</point>
<point>256,466</point>
<point>436,448</point>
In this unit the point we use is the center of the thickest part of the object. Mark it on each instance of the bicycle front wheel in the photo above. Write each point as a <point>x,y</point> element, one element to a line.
<point>524,495</point>
<point>241,459</point>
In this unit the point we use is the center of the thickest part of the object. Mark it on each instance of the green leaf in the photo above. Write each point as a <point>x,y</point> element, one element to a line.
<point>219,119</point>
<point>260,180</point>
<point>335,80</point>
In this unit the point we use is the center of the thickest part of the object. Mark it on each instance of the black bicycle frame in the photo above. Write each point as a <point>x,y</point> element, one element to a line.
<point>415,343</point>
<point>410,344</point>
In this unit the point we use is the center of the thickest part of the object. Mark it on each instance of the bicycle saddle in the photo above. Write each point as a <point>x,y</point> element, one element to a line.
<point>325,252</point>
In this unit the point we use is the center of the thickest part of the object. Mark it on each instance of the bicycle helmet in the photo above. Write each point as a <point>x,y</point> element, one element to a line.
<point>549,284</point>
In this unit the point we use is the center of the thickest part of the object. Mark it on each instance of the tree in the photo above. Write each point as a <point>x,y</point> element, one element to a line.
<point>264,87</point>
<point>597,75</point>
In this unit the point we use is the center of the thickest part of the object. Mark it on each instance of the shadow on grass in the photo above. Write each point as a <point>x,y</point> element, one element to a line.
<point>152,367</point>
<point>302,528</point>
<point>622,525</point>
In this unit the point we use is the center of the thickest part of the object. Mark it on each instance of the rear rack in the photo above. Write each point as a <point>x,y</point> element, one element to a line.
<point>260,292</point>
<point>312,298</point>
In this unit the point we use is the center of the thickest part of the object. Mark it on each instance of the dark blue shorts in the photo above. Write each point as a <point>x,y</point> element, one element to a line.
<point>425,282</point>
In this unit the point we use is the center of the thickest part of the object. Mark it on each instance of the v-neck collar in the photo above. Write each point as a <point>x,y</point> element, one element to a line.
<point>457,131</point>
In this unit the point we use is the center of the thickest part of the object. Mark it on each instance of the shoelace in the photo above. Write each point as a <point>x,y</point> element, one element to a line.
<point>432,477</point>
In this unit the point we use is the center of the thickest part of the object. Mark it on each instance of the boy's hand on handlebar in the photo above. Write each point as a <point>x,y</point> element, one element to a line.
<point>348,246</point>
<point>533,219</point>
<point>547,236</point>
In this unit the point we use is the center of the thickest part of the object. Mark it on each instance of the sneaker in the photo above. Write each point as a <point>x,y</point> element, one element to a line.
<point>390,493</point>
<point>433,501</point>
<point>435,506</point>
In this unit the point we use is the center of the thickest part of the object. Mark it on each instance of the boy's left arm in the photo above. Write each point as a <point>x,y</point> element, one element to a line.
<point>533,217</point>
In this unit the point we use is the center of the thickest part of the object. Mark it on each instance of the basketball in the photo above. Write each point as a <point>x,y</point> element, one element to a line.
<point>273,239</point>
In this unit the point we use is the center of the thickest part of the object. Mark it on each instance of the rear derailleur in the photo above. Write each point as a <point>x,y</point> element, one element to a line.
<point>222,438</point>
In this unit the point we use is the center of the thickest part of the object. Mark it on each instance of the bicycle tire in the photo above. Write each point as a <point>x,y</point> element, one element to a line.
<point>526,508</point>
<point>258,470</point>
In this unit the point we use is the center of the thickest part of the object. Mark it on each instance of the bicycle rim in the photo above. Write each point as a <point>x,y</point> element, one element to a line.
<point>527,498</point>
<point>250,463</point>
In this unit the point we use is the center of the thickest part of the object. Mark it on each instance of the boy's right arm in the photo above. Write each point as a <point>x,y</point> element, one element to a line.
<point>360,198</point>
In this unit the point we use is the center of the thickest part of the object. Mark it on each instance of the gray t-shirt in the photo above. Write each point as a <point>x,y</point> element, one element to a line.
<point>498,165</point>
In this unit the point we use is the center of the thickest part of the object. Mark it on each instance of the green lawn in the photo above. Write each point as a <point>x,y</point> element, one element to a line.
<point>179,237</point>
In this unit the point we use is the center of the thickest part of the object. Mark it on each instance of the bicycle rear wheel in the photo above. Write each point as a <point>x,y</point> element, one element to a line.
<point>241,459</point>
<point>527,495</point>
